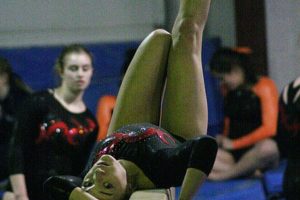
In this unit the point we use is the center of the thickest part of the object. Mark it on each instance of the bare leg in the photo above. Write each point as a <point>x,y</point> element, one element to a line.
<point>263,155</point>
<point>193,179</point>
<point>184,111</point>
<point>139,98</point>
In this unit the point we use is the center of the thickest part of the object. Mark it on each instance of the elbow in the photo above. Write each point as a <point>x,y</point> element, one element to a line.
<point>271,131</point>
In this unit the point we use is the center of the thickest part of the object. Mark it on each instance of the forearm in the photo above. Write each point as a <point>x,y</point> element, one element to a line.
<point>79,194</point>
<point>253,137</point>
<point>193,179</point>
<point>19,186</point>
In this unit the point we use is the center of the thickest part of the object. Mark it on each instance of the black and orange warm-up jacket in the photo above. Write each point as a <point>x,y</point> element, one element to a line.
<point>104,112</point>
<point>267,92</point>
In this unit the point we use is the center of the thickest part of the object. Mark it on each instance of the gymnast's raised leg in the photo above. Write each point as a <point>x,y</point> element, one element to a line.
<point>184,111</point>
<point>139,98</point>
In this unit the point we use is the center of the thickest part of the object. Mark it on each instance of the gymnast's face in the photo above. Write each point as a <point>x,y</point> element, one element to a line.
<point>3,80</point>
<point>107,179</point>
<point>232,79</point>
<point>77,71</point>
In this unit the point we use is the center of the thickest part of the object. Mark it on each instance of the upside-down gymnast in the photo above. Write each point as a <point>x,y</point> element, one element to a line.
<point>137,154</point>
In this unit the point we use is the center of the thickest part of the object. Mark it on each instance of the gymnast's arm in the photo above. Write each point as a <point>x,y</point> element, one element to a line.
<point>79,194</point>
<point>21,141</point>
<point>202,156</point>
<point>65,187</point>
<point>69,187</point>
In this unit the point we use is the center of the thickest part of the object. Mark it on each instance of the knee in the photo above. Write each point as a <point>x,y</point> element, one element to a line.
<point>267,149</point>
<point>225,156</point>
<point>161,34</point>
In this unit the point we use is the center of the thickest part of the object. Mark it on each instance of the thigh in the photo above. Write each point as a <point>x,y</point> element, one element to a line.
<point>184,110</point>
<point>139,98</point>
<point>225,156</point>
<point>224,161</point>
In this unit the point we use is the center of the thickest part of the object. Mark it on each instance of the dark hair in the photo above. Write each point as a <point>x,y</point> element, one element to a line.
<point>5,67</point>
<point>226,59</point>
<point>129,54</point>
<point>131,186</point>
<point>13,79</point>
<point>73,48</point>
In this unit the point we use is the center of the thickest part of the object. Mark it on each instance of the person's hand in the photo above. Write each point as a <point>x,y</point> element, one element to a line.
<point>8,196</point>
<point>219,139</point>
<point>21,197</point>
<point>227,143</point>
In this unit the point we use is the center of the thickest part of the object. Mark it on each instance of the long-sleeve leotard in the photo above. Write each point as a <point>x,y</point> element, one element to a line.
<point>162,158</point>
<point>49,140</point>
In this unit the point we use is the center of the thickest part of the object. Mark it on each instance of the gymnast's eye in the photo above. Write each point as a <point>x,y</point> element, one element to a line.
<point>108,185</point>
<point>73,67</point>
<point>86,67</point>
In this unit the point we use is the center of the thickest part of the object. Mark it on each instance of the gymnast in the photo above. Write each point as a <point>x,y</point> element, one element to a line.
<point>288,138</point>
<point>157,132</point>
<point>246,146</point>
<point>55,131</point>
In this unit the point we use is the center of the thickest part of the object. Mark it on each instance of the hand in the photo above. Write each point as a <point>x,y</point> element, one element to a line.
<point>227,143</point>
<point>219,139</point>
<point>21,197</point>
<point>8,196</point>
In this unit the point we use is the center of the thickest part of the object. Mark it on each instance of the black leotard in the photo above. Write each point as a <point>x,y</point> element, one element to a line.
<point>49,140</point>
<point>288,137</point>
<point>162,158</point>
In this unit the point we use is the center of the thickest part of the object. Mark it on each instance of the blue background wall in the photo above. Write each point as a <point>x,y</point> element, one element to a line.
<point>35,66</point>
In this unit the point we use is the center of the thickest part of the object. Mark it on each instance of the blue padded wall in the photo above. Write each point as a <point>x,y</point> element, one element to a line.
<point>35,66</point>
<point>214,98</point>
<point>273,180</point>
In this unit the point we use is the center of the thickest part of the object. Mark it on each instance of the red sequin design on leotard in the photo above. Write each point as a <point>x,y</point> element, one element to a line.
<point>47,130</point>
<point>131,138</point>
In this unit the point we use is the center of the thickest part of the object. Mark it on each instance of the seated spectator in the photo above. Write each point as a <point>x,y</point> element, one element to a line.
<point>251,108</point>
<point>289,138</point>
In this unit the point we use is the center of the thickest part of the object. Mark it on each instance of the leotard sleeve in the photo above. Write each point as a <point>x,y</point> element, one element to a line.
<point>24,133</point>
